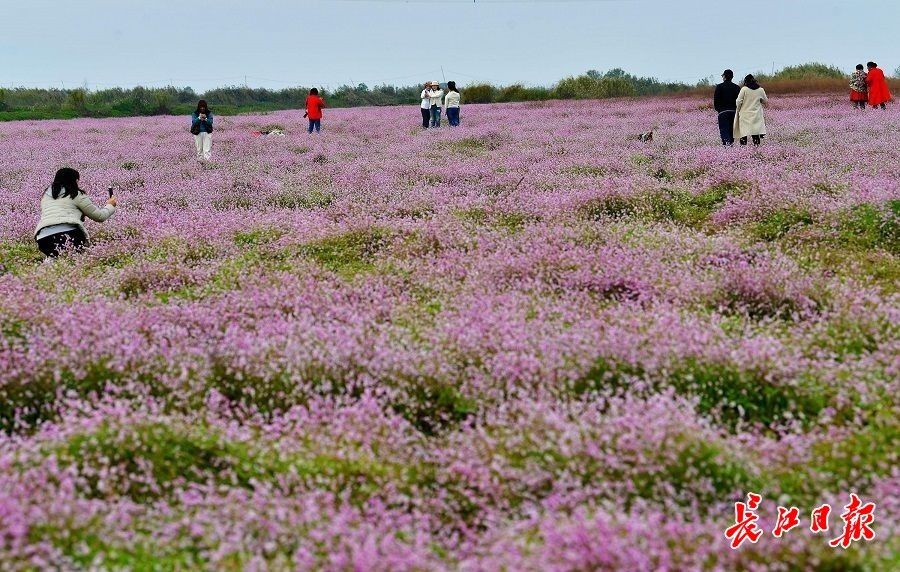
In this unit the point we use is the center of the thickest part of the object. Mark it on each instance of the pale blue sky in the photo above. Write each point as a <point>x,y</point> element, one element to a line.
<point>327,43</point>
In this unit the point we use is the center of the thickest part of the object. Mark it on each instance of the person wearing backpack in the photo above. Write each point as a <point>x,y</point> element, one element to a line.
<point>202,128</point>
<point>314,106</point>
<point>64,207</point>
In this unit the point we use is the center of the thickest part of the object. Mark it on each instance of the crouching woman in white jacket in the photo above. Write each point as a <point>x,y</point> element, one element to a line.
<point>750,117</point>
<point>64,207</point>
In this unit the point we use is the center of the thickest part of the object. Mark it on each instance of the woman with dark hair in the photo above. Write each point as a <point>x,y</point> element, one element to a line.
<point>749,118</point>
<point>202,128</point>
<point>64,207</point>
<point>879,94</point>
<point>314,106</point>
<point>451,104</point>
<point>858,88</point>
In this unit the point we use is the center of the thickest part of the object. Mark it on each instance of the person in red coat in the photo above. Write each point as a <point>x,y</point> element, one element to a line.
<point>878,87</point>
<point>314,106</point>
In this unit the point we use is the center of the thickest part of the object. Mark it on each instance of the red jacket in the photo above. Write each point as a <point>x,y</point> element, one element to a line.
<point>878,87</point>
<point>314,105</point>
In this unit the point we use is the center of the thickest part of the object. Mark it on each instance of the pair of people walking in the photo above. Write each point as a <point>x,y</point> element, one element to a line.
<point>431,96</point>
<point>869,87</point>
<point>741,109</point>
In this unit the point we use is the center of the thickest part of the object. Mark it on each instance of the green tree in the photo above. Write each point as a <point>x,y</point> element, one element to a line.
<point>812,70</point>
<point>480,93</point>
<point>77,100</point>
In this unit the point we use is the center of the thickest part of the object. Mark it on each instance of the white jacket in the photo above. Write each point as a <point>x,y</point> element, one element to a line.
<point>452,99</point>
<point>66,210</point>
<point>750,118</point>
<point>436,95</point>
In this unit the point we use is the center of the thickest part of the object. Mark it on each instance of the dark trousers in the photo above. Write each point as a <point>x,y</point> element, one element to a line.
<point>726,127</point>
<point>756,139</point>
<point>453,116</point>
<point>54,244</point>
<point>315,124</point>
<point>426,117</point>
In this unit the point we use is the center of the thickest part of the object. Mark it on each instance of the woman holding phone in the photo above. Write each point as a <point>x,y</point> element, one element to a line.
<point>202,128</point>
<point>64,207</point>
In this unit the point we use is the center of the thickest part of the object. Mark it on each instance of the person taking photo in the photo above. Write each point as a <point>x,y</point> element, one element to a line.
<point>64,206</point>
<point>202,128</point>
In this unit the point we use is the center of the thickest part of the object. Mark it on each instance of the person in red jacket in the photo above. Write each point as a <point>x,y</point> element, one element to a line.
<point>878,87</point>
<point>314,105</point>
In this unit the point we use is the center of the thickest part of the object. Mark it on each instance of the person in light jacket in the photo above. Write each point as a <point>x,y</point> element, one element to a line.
<point>750,119</point>
<point>426,105</point>
<point>64,207</point>
<point>202,128</point>
<point>451,104</point>
<point>436,94</point>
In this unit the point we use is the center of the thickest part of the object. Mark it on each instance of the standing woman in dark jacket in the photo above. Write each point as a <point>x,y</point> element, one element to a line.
<point>202,128</point>
<point>725,102</point>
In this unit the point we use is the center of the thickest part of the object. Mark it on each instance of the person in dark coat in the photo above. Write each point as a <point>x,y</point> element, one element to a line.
<point>725,103</point>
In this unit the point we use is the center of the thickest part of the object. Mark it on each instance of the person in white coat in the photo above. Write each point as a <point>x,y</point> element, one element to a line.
<point>451,104</point>
<point>750,118</point>
<point>426,104</point>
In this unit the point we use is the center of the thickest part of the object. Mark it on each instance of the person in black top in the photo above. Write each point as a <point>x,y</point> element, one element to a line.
<point>725,102</point>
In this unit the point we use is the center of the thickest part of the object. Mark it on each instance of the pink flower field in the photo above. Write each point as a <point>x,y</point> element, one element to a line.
<point>531,343</point>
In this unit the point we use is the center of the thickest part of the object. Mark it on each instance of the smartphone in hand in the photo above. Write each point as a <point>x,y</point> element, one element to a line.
<point>110,191</point>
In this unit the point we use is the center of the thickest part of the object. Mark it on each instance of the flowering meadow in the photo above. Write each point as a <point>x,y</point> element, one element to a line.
<point>530,343</point>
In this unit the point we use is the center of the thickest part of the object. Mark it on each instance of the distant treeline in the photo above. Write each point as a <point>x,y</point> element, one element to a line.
<point>34,103</point>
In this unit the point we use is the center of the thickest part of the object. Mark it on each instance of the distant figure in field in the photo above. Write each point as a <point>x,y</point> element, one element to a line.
<point>202,128</point>
<point>426,105</point>
<point>436,94</point>
<point>63,209</point>
<point>858,88</point>
<point>725,102</point>
<point>750,118</point>
<point>879,94</point>
<point>314,106</point>
<point>451,104</point>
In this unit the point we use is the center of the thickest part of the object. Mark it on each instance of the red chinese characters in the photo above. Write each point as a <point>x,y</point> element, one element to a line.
<point>745,527</point>
<point>818,521</point>
<point>788,518</point>
<point>857,517</point>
